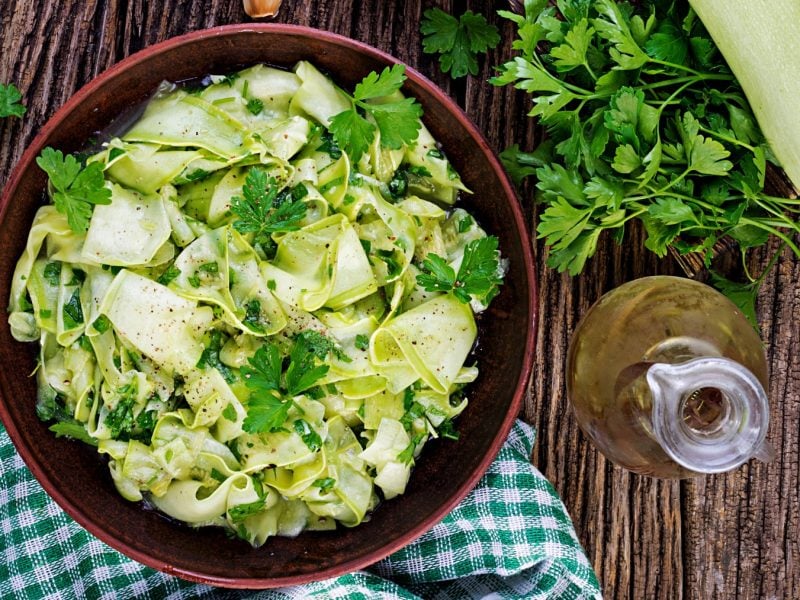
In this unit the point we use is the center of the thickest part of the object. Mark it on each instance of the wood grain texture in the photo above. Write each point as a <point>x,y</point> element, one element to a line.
<point>750,517</point>
<point>728,536</point>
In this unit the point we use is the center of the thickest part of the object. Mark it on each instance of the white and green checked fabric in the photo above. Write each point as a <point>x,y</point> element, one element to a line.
<point>510,538</point>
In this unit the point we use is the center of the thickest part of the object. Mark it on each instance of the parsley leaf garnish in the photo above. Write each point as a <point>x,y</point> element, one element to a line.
<point>353,133</point>
<point>120,419</point>
<point>329,146</point>
<point>302,372</point>
<point>52,273</point>
<point>255,106</point>
<point>478,276</point>
<point>210,357</point>
<point>10,97</point>
<point>362,341</point>
<point>264,372</point>
<point>264,209</point>
<point>266,413</point>
<point>167,276</point>
<point>310,437</point>
<point>101,324</point>
<point>520,164</point>
<point>321,345</point>
<point>457,41</point>
<point>414,411</point>
<point>73,429</point>
<point>267,409</point>
<point>229,412</point>
<point>407,455</point>
<point>397,121</point>
<point>325,485</point>
<point>241,512</point>
<point>252,316</point>
<point>122,422</point>
<point>72,312</point>
<point>272,390</point>
<point>447,430</point>
<point>74,189</point>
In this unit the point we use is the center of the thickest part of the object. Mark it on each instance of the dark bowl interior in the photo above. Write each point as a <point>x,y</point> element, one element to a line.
<point>77,478</point>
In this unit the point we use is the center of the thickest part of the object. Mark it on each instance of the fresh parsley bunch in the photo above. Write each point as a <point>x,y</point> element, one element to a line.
<point>644,121</point>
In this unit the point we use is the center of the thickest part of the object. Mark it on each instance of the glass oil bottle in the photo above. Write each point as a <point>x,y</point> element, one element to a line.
<point>667,378</point>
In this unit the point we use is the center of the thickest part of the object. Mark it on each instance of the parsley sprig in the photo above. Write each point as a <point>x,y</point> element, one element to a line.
<point>264,208</point>
<point>10,105</point>
<point>645,122</point>
<point>397,121</point>
<point>478,276</point>
<point>74,189</point>
<point>457,41</point>
<point>273,388</point>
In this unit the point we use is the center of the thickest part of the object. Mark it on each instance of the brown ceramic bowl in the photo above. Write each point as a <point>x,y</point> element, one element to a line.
<point>78,479</point>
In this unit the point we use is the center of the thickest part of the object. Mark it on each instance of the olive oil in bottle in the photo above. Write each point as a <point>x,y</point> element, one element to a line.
<point>667,378</point>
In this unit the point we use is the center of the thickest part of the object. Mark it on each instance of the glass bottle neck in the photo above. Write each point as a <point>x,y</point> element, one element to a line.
<point>709,414</point>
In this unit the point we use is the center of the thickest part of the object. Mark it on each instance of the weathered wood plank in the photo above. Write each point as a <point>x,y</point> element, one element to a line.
<point>629,525</point>
<point>744,524</point>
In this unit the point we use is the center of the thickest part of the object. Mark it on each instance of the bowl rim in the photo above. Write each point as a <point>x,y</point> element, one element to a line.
<point>520,386</point>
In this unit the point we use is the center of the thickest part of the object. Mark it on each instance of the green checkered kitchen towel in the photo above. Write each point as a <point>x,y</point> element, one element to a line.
<point>509,538</point>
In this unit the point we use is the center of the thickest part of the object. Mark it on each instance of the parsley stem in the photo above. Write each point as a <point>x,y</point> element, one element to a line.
<point>633,215</point>
<point>757,282</point>
<point>673,182</point>
<point>781,215</point>
<point>761,223</point>
<point>589,70</point>
<point>571,87</point>
<point>691,79</point>
<point>782,201</point>
<point>672,96</point>
<point>696,73</point>
<point>691,199</point>
<point>771,221</point>
<point>726,138</point>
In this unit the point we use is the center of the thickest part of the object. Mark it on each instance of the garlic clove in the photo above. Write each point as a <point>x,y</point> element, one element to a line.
<point>261,8</point>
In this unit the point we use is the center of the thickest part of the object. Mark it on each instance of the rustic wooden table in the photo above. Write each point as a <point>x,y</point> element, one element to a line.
<point>726,536</point>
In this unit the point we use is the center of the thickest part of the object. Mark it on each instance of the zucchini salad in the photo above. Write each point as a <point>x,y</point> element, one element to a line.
<point>259,301</point>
